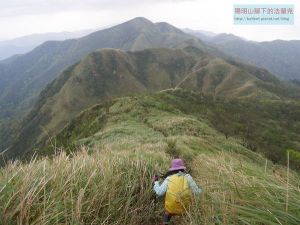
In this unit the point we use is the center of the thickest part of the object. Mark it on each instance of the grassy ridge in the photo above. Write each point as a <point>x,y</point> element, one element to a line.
<point>114,187</point>
<point>108,181</point>
<point>268,127</point>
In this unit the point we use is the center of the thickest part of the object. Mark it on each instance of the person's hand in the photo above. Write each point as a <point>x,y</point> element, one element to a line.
<point>155,178</point>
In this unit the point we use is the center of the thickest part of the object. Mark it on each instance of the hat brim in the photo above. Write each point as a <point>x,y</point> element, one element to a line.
<point>177,168</point>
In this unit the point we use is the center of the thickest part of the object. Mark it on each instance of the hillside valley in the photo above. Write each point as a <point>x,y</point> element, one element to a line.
<point>110,73</point>
<point>22,78</point>
<point>280,57</point>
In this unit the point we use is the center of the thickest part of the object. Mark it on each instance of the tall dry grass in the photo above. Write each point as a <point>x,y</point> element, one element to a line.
<point>104,188</point>
<point>114,187</point>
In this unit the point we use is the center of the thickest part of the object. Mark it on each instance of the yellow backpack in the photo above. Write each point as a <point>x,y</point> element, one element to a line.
<point>178,194</point>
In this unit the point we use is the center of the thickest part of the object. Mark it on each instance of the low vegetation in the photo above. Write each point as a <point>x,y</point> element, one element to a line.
<point>109,186</point>
<point>269,127</point>
<point>102,175</point>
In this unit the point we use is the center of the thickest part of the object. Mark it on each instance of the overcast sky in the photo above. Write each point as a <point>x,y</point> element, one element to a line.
<point>23,17</point>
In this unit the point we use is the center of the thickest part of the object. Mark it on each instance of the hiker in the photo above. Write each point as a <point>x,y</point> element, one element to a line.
<point>177,188</point>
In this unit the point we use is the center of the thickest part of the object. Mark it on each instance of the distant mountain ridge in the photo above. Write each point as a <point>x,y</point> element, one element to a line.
<point>202,34</point>
<point>31,72</point>
<point>111,73</point>
<point>22,78</point>
<point>137,56</point>
<point>27,43</point>
<point>279,57</point>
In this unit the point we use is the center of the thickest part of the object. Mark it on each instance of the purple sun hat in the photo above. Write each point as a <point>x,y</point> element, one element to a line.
<point>177,164</point>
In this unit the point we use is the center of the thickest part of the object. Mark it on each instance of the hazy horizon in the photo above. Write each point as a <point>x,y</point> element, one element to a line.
<point>109,26</point>
<point>22,18</point>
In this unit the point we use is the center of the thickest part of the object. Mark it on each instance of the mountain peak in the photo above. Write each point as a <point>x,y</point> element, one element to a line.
<point>140,20</point>
<point>136,25</point>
